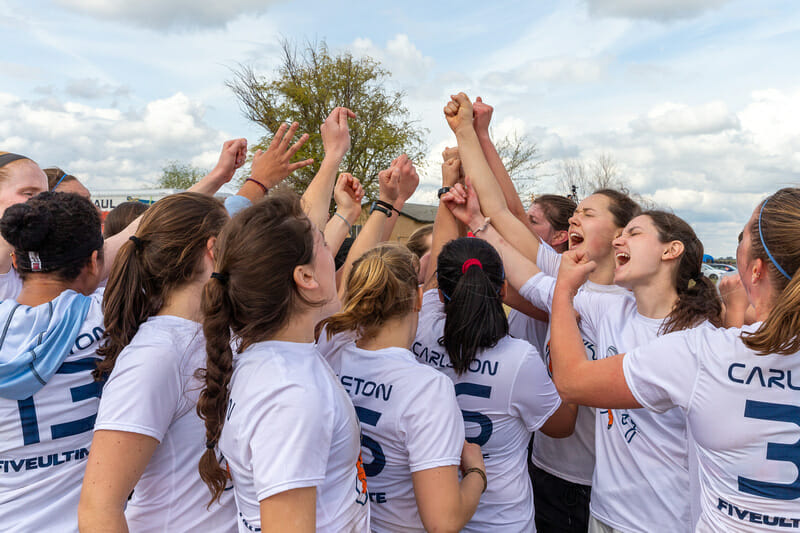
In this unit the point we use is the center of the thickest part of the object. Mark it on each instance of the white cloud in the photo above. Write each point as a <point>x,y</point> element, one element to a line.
<point>652,9</point>
<point>169,14</point>
<point>108,147</point>
<point>680,119</point>
<point>400,56</point>
<point>93,88</point>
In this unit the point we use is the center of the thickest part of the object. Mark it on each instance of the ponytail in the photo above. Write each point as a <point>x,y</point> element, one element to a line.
<point>165,254</point>
<point>213,399</point>
<point>470,275</point>
<point>382,285</point>
<point>773,239</point>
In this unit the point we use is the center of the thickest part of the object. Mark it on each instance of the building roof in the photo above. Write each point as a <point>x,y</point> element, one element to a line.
<point>420,212</point>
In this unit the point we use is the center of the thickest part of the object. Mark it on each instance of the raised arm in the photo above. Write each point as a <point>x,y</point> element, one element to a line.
<point>347,194</point>
<point>370,234</point>
<point>459,116</point>
<point>336,142</point>
<point>408,182</point>
<point>445,226</point>
<point>233,156</point>
<point>578,380</point>
<point>482,116</point>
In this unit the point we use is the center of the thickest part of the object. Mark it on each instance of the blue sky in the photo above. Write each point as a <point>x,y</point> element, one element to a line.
<point>697,101</point>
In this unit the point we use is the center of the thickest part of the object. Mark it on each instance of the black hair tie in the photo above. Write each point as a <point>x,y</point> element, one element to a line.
<point>211,444</point>
<point>137,241</point>
<point>223,278</point>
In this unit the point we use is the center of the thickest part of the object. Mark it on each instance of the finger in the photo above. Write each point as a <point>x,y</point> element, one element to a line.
<point>300,164</point>
<point>288,136</point>
<point>344,114</point>
<point>461,98</point>
<point>478,99</point>
<point>299,144</point>
<point>276,139</point>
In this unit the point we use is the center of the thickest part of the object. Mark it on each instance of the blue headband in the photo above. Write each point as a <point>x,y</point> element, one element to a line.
<point>764,244</point>
<point>64,175</point>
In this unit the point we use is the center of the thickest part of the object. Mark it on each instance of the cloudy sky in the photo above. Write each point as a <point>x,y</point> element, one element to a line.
<point>698,101</point>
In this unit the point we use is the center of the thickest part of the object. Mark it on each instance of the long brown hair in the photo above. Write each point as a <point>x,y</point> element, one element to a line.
<point>698,299</point>
<point>382,285</point>
<point>251,294</point>
<point>169,244</point>
<point>776,230</point>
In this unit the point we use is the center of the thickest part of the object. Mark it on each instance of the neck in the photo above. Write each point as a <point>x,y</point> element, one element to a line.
<point>394,333</point>
<point>184,302</point>
<point>656,298</point>
<point>40,288</point>
<point>298,328</point>
<point>603,274</point>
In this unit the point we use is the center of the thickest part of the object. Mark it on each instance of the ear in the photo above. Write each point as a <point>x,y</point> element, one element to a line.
<point>94,264</point>
<point>504,290</point>
<point>418,302</point>
<point>14,260</point>
<point>758,271</point>
<point>210,244</point>
<point>558,238</point>
<point>673,251</point>
<point>304,278</point>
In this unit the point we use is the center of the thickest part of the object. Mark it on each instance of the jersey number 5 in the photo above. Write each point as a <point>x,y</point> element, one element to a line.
<point>370,417</point>
<point>775,451</point>
<point>480,391</point>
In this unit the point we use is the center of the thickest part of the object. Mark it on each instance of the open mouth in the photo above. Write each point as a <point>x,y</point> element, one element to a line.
<point>575,239</point>
<point>622,258</point>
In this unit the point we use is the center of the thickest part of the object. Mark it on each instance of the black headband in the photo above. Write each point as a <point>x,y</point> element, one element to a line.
<point>10,158</point>
<point>32,261</point>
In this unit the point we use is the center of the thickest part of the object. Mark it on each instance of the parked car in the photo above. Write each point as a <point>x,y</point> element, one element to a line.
<point>726,267</point>
<point>712,273</point>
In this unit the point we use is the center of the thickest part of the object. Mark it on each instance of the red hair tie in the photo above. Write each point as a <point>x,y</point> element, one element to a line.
<point>470,262</point>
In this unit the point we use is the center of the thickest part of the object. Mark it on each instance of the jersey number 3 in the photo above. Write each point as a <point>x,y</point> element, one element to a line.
<point>775,412</point>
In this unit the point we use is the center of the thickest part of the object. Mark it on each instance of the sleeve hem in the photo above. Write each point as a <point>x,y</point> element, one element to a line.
<point>130,428</point>
<point>435,463</point>
<point>545,418</point>
<point>272,490</point>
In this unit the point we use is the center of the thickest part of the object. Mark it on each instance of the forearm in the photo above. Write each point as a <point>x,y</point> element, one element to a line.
<point>567,353</point>
<point>388,228</point>
<point>100,516</point>
<point>336,231</point>
<point>317,197</point>
<point>519,269</point>
<point>469,492</point>
<point>210,183</point>
<point>477,168</point>
<point>445,229</point>
<point>112,245</point>
<point>502,176</point>
<point>368,238</point>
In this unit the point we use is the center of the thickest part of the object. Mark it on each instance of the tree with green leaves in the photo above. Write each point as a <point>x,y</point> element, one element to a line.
<point>176,175</point>
<point>308,85</point>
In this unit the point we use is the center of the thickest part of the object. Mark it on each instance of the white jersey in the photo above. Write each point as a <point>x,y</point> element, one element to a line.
<point>521,326</point>
<point>641,474</point>
<point>410,421</point>
<point>153,391</point>
<point>45,438</point>
<point>10,285</point>
<point>290,425</point>
<point>504,396</point>
<point>744,413</point>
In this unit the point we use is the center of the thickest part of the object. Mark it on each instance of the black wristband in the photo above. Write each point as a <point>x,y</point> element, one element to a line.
<point>442,191</point>
<point>387,205</point>
<point>380,207</point>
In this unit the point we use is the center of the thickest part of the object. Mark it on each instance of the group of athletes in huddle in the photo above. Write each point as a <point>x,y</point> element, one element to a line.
<point>213,361</point>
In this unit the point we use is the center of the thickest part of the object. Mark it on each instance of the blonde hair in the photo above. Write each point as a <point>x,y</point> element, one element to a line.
<point>381,286</point>
<point>774,240</point>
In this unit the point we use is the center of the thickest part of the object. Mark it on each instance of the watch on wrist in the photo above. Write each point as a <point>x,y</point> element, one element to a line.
<point>442,191</point>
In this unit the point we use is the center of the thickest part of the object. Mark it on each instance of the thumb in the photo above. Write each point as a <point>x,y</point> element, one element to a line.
<point>478,99</point>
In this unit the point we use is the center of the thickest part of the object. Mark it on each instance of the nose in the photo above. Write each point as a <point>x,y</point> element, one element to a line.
<point>573,220</point>
<point>618,241</point>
